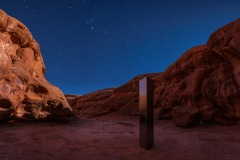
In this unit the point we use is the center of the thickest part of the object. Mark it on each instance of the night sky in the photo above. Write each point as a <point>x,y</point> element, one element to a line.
<point>89,45</point>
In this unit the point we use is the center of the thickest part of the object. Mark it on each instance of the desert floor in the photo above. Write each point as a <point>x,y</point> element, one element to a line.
<point>116,137</point>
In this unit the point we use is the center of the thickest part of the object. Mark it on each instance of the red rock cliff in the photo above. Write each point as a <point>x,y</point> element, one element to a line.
<point>25,94</point>
<point>205,77</point>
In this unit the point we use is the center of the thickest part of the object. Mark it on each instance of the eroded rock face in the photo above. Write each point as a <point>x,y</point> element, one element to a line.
<point>25,94</point>
<point>206,77</point>
<point>121,100</point>
<point>93,104</point>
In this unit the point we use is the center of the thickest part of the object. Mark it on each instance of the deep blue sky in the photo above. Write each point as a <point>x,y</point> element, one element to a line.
<point>93,44</point>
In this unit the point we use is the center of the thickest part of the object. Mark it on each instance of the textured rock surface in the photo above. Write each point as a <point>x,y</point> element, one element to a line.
<point>123,100</point>
<point>206,77</point>
<point>25,94</point>
<point>186,116</point>
<point>93,104</point>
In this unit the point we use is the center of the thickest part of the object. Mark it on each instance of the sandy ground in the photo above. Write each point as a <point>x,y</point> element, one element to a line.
<point>116,137</point>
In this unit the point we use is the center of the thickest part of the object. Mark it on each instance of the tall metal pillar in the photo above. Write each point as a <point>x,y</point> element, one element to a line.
<point>146,136</point>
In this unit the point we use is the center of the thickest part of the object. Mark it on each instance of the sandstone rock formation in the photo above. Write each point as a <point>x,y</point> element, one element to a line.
<point>206,77</point>
<point>88,105</point>
<point>25,94</point>
<point>123,100</point>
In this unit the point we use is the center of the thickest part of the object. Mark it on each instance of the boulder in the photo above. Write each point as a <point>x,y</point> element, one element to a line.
<point>25,94</point>
<point>186,116</point>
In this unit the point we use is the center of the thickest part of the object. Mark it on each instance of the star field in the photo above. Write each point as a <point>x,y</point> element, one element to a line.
<point>91,44</point>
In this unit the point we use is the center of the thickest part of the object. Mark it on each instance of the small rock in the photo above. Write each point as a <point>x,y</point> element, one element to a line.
<point>186,116</point>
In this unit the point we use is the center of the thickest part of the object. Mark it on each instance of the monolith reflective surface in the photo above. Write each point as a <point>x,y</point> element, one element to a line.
<point>146,135</point>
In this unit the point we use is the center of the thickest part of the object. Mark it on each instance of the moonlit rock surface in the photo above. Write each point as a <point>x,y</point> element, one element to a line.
<point>25,94</point>
<point>206,77</point>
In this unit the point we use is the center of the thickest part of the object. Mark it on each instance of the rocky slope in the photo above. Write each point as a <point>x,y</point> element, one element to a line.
<point>206,77</point>
<point>25,94</point>
<point>123,100</point>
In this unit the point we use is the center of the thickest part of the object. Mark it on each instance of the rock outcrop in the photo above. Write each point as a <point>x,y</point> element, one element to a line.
<point>205,77</point>
<point>25,94</point>
<point>121,100</point>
